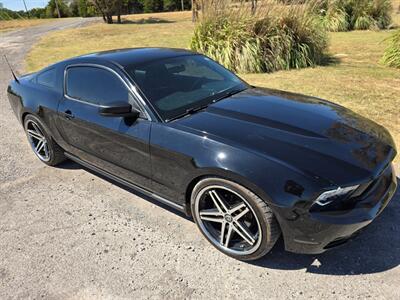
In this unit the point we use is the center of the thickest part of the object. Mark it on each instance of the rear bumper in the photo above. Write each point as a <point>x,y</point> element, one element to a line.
<point>316,232</point>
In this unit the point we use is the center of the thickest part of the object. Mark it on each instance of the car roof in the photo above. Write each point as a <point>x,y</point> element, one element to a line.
<point>133,56</point>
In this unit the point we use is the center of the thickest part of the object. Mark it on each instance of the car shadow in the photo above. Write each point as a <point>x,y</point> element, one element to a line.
<point>150,20</point>
<point>375,249</point>
<point>69,165</point>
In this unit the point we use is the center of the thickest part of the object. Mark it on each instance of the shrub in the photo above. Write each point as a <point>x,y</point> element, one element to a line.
<point>344,15</point>
<point>381,13</point>
<point>274,39</point>
<point>335,19</point>
<point>391,57</point>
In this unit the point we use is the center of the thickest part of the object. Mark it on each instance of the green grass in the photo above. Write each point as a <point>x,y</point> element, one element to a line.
<point>358,81</point>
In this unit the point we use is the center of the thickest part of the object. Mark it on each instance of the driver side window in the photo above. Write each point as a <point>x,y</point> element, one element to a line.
<point>95,85</point>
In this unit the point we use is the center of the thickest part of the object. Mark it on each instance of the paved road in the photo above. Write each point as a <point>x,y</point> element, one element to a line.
<point>67,233</point>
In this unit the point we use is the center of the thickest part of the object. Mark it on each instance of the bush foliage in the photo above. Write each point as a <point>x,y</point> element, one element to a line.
<point>391,57</point>
<point>274,39</point>
<point>345,15</point>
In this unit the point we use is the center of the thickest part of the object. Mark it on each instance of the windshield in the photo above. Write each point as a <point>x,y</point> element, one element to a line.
<point>180,84</point>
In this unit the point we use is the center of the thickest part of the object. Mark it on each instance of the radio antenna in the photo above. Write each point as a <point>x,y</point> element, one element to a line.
<point>11,69</point>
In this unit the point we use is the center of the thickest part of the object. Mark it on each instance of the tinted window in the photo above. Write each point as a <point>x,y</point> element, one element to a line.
<point>95,85</point>
<point>177,84</point>
<point>47,78</point>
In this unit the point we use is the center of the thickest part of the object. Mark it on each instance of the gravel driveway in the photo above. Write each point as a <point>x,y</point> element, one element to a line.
<point>67,233</point>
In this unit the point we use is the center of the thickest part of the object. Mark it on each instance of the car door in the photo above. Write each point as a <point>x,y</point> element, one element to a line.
<point>113,144</point>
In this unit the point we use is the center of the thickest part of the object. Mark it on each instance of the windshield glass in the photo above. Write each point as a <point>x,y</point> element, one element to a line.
<point>176,85</point>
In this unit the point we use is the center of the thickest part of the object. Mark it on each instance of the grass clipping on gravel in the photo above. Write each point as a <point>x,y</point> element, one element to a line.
<point>275,38</point>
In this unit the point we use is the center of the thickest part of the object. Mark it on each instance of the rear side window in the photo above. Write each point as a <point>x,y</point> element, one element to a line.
<point>95,85</point>
<point>47,78</point>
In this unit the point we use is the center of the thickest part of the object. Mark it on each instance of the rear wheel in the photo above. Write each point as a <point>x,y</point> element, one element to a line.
<point>235,220</point>
<point>41,142</point>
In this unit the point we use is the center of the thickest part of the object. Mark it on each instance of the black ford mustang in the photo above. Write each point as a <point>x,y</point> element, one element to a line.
<point>246,163</point>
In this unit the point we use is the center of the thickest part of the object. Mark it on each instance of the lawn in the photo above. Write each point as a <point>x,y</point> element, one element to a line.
<point>356,80</point>
<point>19,24</point>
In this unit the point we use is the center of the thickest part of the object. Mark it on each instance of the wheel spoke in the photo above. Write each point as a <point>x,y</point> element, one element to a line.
<point>210,212</point>
<point>218,202</point>
<point>243,231</point>
<point>36,128</point>
<point>212,219</point>
<point>228,236</point>
<point>34,134</point>
<point>46,150</point>
<point>237,207</point>
<point>223,227</point>
<point>241,214</point>
<point>39,146</point>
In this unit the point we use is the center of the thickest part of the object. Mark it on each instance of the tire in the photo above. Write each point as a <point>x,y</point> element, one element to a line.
<point>236,207</point>
<point>42,144</point>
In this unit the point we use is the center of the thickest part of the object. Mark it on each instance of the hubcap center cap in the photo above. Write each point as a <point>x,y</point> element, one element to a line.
<point>228,218</point>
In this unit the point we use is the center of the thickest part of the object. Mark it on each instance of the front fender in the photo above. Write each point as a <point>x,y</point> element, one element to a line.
<point>179,158</point>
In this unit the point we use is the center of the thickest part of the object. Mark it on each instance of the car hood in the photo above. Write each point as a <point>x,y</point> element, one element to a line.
<point>312,135</point>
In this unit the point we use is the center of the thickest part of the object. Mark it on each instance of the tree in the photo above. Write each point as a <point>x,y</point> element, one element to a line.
<point>133,6</point>
<point>38,13</point>
<point>82,8</point>
<point>195,10</point>
<point>108,8</point>
<point>86,9</point>
<point>52,10</point>
<point>6,14</point>
<point>74,8</point>
<point>153,5</point>
<point>173,5</point>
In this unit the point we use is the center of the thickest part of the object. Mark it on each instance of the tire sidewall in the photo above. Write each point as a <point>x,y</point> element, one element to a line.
<point>264,246</point>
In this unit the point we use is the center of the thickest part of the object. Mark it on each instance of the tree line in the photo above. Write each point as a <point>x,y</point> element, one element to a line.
<point>91,8</point>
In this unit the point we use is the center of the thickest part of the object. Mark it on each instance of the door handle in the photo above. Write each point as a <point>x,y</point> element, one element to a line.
<point>68,115</point>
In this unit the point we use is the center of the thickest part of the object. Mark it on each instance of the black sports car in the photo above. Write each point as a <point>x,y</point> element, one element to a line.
<point>246,163</point>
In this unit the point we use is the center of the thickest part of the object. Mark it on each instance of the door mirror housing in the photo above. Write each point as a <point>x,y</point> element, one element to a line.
<point>119,109</point>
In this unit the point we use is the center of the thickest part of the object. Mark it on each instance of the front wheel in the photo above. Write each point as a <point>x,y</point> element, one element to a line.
<point>232,218</point>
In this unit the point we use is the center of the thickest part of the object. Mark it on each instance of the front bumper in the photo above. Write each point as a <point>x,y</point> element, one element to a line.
<point>315,232</point>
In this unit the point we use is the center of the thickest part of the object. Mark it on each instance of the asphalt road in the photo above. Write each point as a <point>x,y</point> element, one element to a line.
<point>67,233</point>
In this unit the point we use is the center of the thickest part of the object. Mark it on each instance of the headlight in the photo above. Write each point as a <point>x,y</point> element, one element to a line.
<point>329,196</point>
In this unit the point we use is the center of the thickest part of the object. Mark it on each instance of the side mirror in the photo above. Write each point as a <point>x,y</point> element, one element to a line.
<point>119,109</point>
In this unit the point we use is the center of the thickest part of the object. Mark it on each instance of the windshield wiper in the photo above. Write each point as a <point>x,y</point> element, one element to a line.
<point>193,110</point>
<point>188,111</point>
<point>228,94</point>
